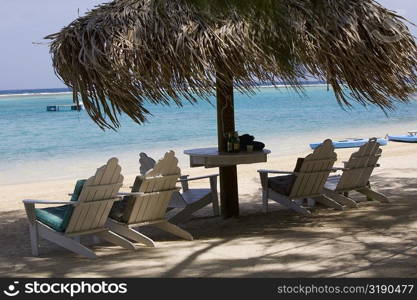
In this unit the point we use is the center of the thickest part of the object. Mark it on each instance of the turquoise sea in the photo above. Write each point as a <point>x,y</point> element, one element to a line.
<point>36,144</point>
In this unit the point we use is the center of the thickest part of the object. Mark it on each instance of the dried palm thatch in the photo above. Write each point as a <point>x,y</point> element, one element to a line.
<point>127,52</point>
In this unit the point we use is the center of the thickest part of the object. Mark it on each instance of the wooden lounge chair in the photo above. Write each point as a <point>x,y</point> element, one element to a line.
<point>305,182</point>
<point>85,214</point>
<point>148,206</point>
<point>190,200</point>
<point>355,176</point>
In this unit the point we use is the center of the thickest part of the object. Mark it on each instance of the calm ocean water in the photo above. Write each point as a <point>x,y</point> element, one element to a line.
<point>40,144</point>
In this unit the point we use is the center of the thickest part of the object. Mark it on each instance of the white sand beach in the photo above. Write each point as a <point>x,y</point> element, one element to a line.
<point>373,240</point>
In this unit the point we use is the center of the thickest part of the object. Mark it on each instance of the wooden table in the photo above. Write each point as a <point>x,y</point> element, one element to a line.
<point>212,158</point>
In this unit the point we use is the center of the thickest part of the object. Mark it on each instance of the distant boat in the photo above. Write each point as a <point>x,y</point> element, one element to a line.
<point>411,137</point>
<point>351,143</point>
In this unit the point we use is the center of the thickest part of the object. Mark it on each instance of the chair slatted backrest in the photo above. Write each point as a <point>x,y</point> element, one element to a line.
<point>96,199</point>
<point>146,163</point>
<point>156,189</point>
<point>360,166</point>
<point>314,171</point>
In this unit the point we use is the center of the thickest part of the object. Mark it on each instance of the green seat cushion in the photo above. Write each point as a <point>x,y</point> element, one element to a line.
<point>58,217</point>
<point>55,217</point>
<point>118,209</point>
<point>77,189</point>
<point>282,184</point>
<point>121,210</point>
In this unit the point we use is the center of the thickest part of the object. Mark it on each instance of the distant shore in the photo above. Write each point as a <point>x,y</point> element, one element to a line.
<point>34,94</point>
<point>50,92</point>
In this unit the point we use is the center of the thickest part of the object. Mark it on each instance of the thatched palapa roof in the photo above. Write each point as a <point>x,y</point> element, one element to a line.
<point>127,52</point>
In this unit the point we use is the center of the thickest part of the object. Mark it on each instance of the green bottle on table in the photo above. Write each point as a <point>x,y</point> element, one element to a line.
<point>229,137</point>
<point>236,142</point>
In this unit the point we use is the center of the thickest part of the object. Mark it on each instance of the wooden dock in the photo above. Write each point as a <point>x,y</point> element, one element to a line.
<point>65,107</point>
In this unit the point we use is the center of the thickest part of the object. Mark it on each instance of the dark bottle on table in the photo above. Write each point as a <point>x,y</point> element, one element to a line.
<point>236,142</point>
<point>229,146</point>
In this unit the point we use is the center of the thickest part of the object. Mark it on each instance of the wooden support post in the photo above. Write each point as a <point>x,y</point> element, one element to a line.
<point>229,198</point>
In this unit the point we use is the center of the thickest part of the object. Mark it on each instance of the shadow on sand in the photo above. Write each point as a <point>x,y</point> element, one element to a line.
<point>374,240</point>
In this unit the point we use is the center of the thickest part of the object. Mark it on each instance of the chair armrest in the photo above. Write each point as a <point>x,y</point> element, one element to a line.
<point>129,193</point>
<point>197,178</point>
<point>121,194</point>
<point>32,201</point>
<point>276,172</point>
<point>334,169</point>
<point>345,169</point>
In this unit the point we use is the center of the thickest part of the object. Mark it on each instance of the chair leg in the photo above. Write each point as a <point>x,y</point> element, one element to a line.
<point>368,185</point>
<point>34,239</point>
<point>340,198</point>
<point>129,233</point>
<point>311,202</point>
<point>264,200</point>
<point>64,241</point>
<point>33,228</point>
<point>186,213</point>
<point>329,202</point>
<point>298,208</point>
<point>182,216</point>
<point>289,203</point>
<point>116,239</point>
<point>216,209</point>
<point>95,239</point>
<point>173,229</point>
<point>374,195</point>
<point>214,196</point>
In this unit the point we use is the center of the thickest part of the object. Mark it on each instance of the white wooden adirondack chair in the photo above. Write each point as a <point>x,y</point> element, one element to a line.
<point>305,182</point>
<point>86,215</point>
<point>355,176</point>
<point>148,206</point>
<point>190,200</point>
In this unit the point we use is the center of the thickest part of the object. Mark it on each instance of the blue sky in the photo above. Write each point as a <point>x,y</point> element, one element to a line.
<point>22,22</point>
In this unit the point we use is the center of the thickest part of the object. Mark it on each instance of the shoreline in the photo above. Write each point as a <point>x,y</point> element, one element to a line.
<point>78,164</point>
<point>395,160</point>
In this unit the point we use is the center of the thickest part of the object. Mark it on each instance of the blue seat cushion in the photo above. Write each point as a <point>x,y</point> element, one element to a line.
<point>58,217</point>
